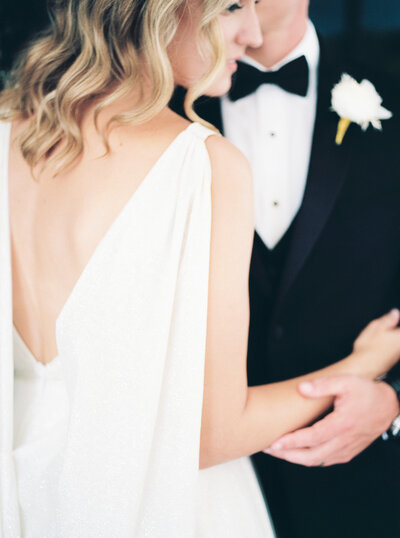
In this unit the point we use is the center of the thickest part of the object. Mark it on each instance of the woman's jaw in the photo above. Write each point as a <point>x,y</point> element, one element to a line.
<point>190,61</point>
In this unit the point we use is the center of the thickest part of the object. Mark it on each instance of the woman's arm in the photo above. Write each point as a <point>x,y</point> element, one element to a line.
<point>238,420</point>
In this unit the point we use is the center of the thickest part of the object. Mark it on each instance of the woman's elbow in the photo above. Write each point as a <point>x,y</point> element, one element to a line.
<point>217,447</point>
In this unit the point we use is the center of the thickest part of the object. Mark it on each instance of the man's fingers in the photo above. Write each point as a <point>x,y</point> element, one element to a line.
<point>300,439</point>
<point>391,319</point>
<point>321,456</point>
<point>326,386</point>
<point>388,321</point>
<point>323,431</point>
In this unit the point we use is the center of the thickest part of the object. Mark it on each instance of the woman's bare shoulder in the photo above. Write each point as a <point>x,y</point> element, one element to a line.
<point>227,162</point>
<point>231,172</point>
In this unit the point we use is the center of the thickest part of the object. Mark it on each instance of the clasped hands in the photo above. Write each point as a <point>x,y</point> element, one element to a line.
<point>362,411</point>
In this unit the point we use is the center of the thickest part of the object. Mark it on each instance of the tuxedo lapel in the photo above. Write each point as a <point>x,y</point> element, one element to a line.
<point>327,173</point>
<point>209,109</point>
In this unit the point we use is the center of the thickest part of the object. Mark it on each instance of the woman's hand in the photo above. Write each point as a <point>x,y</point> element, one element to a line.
<point>378,346</point>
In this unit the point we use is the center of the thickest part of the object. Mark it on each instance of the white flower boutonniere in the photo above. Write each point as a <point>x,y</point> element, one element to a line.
<point>357,102</point>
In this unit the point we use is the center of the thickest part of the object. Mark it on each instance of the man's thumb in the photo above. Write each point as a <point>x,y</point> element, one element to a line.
<point>324,386</point>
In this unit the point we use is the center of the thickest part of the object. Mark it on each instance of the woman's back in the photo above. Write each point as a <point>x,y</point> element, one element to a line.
<point>57,222</point>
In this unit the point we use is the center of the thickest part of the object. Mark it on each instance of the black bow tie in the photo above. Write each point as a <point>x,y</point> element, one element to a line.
<point>292,77</point>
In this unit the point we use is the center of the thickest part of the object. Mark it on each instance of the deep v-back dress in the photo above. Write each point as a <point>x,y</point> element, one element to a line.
<point>104,441</point>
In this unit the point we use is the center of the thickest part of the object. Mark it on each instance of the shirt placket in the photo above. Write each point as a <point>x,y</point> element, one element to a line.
<point>273,166</point>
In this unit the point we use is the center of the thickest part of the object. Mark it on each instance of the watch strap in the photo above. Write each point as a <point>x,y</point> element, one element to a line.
<point>394,430</point>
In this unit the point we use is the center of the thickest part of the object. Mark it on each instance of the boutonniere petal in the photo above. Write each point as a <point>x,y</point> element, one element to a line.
<point>357,102</point>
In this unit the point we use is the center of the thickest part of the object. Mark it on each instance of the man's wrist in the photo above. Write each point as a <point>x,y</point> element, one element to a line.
<point>393,432</point>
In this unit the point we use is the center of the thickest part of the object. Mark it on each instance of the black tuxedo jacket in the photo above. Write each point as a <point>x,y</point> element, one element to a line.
<point>342,269</point>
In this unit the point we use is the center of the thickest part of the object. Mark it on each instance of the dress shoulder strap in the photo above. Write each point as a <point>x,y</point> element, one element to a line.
<point>201,131</point>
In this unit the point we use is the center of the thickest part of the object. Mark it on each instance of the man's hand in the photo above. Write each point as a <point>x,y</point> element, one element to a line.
<point>363,410</point>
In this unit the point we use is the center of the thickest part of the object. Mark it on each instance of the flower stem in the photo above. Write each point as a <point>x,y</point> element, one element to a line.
<point>341,130</point>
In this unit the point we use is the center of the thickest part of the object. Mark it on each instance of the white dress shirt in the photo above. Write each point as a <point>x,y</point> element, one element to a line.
<point>274,129</point>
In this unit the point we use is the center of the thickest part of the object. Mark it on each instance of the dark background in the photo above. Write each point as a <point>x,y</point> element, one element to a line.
<point>367,30</point>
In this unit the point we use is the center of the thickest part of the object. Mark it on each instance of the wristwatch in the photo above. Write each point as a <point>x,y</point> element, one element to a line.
<point>394,430</point>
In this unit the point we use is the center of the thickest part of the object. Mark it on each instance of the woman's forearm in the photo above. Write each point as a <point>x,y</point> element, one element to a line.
<point>275,409</point>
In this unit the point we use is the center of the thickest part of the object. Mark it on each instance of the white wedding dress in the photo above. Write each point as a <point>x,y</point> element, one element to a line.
<point>104,441</point>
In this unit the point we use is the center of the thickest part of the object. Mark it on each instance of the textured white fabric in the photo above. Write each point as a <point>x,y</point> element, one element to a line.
<point>40,426</point>
<point>274,130</point>
<point>123,458</point>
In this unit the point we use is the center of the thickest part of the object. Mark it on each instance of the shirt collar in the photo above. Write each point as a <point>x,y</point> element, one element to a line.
<point>308,46</point>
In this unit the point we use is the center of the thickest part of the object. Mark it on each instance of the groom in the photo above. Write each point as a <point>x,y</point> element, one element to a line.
<point>326,260</point>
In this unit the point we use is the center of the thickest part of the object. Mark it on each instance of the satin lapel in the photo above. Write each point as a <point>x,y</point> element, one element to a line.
<point>327,173</point>
<point>209,109</point>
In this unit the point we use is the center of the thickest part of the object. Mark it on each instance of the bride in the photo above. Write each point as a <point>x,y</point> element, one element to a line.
<point>125,239</point>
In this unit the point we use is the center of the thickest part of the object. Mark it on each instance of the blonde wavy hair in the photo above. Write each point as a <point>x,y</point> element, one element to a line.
<point>94,51</point>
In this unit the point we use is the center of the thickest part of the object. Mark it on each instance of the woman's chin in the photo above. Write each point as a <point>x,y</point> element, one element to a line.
<point>220,87</point>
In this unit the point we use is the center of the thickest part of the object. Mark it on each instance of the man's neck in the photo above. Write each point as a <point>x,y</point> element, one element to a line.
<point>278,43</point>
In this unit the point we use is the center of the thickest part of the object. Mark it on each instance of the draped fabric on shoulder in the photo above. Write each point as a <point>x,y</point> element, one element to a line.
<point>9,520</point>
<point>131,341</point>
